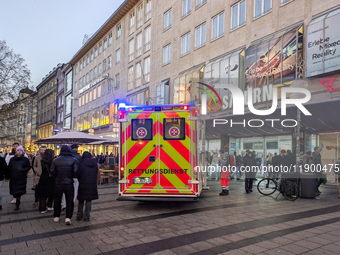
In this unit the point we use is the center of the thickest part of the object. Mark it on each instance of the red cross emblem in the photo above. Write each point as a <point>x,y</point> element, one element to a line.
<point>141,132</point>
<point>174,131</point>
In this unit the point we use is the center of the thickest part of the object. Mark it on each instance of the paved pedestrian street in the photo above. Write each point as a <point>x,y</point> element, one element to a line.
<point>236,224</point>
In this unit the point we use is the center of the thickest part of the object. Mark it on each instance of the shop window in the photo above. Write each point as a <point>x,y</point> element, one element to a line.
<point>273,60</point>
<point>174,128</point>
<point>141,129</point>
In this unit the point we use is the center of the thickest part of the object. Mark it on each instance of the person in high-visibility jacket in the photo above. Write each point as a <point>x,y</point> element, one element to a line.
<point>225,172</point>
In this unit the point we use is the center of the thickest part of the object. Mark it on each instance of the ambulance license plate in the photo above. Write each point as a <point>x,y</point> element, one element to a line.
<point>142,180</point>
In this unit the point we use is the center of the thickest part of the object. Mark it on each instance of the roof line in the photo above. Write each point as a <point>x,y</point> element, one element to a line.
<point>98,30</point>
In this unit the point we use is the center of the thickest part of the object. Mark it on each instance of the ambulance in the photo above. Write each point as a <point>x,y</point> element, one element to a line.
<point>158,153</point>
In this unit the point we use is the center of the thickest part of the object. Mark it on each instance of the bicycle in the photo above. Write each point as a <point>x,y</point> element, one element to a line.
<point>268,186</point>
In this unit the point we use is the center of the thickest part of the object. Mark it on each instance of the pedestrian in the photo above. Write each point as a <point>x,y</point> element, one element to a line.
<point>8,158</point>
<point>235,164</point>
<point>318,169</point>
<point>88,174</point>
<point>37,173</point>
<point>19,166</point>
<point>45,187</point>
<point>3,171</point>
<point>77,156</point>
<point>63,170</point>
<point>214,164</point>
<point>225,173</point>
<point>250,166</point>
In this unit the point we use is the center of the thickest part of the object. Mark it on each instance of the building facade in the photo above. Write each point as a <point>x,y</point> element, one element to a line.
<point>17,121</point>
<point>153,52</point>
<point>47,105</point>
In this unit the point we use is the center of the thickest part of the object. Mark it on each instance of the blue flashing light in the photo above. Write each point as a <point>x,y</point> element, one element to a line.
<point>121,105</point>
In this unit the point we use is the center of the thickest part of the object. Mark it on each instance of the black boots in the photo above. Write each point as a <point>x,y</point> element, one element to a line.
<point>224,192</point>
<point>17,203</point>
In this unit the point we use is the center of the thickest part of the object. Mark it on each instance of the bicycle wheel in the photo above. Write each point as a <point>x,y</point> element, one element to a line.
<point>290,190</point>
<point>267,186</point>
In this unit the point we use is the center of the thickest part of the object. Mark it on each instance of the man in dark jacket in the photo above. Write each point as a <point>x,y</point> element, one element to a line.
<point>249,166</point>
<point>64,169</point>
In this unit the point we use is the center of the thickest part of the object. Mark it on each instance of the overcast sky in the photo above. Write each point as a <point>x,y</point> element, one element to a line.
<point>47,32</point>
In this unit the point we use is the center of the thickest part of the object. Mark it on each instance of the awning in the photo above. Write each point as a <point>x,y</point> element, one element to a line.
<point>70,137</point>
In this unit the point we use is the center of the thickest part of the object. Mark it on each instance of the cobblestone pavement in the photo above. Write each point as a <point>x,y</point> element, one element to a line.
<point>236,224</point>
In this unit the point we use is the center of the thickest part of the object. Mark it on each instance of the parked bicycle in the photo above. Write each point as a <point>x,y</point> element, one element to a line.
<point>287,188</point>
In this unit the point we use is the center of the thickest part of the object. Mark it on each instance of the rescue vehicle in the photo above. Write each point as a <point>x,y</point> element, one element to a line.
<point>158,153</point>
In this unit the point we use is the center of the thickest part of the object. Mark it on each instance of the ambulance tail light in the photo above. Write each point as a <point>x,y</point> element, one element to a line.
<point>185,107</point>
<point>121,114</point>
<point>121,172</point>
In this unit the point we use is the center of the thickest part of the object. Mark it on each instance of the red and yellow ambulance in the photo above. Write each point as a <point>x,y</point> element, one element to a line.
<point>158,153</point>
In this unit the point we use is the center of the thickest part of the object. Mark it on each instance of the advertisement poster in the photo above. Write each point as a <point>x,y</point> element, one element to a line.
<point>271,59</point>
<point>323,45</point>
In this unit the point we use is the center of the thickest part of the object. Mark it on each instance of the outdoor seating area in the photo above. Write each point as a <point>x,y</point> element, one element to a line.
<point>108,173</point>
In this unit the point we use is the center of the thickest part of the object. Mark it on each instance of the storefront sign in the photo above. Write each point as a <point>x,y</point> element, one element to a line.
<point>88,86</point>
<point>328,83</point>
<point>323,44</point>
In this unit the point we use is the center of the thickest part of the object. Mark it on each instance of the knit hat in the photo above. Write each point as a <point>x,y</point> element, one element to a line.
<point>65,148</point>
<point>20,148</point>
<point>74,146</point>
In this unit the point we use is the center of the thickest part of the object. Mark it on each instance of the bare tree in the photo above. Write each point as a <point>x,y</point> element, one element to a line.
<point>14,76</point>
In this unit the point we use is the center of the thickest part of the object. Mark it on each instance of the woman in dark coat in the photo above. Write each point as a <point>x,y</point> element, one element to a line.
<point>18,167</point>
<point>46,183</point>
<point>87,191</point>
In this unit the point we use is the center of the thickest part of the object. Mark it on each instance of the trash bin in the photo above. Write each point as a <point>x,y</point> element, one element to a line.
<point>307,185</point>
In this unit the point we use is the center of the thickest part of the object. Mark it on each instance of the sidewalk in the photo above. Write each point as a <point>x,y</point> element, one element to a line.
<point>236,224</point>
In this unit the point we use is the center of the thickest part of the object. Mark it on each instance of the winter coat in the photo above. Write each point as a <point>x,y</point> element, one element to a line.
<point>248,163</point>
<point>3,168</point>
<point>64,168</point>
<point>46,183</point>
<point>76,155</point>
<point>37,169</point>
<point>18,169</point>
<point>87,177</point>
